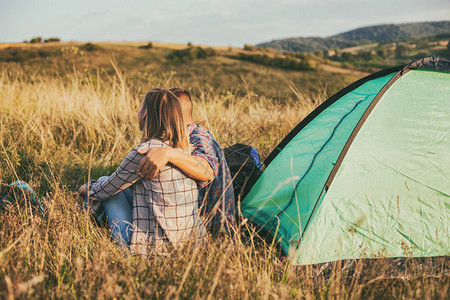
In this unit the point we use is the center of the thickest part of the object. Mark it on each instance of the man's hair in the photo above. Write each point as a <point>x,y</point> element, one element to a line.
<point>164,119</point>
<point>185,100</point>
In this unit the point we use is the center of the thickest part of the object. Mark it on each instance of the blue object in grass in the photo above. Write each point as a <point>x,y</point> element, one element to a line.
<point>22,185</point>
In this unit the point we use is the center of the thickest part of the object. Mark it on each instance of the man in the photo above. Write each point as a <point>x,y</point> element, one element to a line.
<point>207,165</point>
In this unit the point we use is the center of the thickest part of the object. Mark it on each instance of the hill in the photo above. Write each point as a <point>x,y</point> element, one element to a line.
<point>370,34</point>
<point>222,69</point>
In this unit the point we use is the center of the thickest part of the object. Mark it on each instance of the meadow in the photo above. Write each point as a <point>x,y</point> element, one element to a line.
<point>69,114</point>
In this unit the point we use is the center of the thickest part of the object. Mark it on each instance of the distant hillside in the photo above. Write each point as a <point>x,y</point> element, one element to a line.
<point>379,34</point>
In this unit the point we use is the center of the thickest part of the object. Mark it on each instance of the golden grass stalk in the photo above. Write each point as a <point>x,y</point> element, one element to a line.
<point>49,126</point>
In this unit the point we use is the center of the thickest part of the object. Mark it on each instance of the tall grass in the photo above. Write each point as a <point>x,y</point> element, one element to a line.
<point>54,129</point>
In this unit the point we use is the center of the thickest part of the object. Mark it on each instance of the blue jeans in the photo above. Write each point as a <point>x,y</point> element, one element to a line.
<point>119,214</point>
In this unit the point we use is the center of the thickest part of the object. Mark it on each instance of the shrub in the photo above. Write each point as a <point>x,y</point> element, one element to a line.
<point>17,55</point>
<point>36,40</point>
<point>319,54</point>
<point>44,53</point>
<point>401,50</point>
<point>383,53</point>
<point>189,54</point>
<point>148,46</point>
<point>210,52</point>
<point>287,62</point>
<point>52,40</point>
<point>248,47</point>
<point>308,64</point>
<point>90,47</point>
<point>347,56</point>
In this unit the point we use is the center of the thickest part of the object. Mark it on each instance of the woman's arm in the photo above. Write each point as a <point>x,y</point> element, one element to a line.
<point>125,176</point>
<point>82,191</point>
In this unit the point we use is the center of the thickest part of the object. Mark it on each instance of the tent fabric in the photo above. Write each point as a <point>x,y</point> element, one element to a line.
<point>324,106</point>
<point>402,143</point>
<point>321,142</point>
<point>408,215</point>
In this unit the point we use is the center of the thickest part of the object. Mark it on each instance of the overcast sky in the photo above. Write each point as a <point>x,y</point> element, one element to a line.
<point>211,22</point>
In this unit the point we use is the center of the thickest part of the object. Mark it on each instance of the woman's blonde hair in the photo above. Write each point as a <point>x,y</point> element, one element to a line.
<point>164,119</point>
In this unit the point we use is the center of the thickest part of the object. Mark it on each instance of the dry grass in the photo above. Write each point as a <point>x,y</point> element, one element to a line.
<point>52,129</point>
<point>145,68</point>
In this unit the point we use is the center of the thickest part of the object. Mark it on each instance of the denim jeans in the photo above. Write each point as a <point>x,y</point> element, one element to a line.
<point>119,214</point>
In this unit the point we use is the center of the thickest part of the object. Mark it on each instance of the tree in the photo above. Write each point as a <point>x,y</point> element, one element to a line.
<point>401,50</point>
<point>148,46</point>
<point>248,47</point>
<point>52,39</point>
<point>90,47</point>
<point>36,40</point>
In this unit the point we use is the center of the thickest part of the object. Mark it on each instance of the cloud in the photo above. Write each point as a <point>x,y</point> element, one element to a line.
<point>215,22</point>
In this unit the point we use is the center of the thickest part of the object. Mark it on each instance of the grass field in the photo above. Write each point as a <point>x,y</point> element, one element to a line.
<point>146,68</point>
<point>68,116</point>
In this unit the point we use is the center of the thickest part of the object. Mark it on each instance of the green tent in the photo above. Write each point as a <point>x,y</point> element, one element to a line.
<point>366,174</point>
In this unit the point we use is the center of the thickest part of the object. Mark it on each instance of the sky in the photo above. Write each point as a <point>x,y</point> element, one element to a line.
<point>207,22</point>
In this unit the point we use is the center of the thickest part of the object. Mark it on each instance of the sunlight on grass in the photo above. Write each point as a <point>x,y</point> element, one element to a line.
<point>49,126</point>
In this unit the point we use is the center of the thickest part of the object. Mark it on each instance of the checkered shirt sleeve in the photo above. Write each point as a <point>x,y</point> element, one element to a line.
<point>216,196</point>
<point>206,147</point>
<point>125,176</point>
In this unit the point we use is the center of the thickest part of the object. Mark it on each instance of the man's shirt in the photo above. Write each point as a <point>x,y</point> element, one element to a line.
<point>217,195</point>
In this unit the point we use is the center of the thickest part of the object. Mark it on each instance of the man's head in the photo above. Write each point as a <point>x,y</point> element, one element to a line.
<point>186,104</point>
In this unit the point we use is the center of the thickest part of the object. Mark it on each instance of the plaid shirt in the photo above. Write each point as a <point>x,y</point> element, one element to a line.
<point>165,208</point>
<point>217,195</point>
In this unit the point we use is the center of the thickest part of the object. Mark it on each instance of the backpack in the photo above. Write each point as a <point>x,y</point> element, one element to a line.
<point>245,168</point>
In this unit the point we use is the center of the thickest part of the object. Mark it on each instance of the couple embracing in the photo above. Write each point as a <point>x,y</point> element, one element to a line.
<point>172,188</point>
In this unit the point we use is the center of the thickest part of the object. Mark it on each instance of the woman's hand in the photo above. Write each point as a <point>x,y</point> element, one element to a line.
<point>155,158</point>
<point>82,191</point>
<point>153,161</point>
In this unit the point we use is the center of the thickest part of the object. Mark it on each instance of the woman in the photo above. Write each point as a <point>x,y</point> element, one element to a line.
<point>164,209</point>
